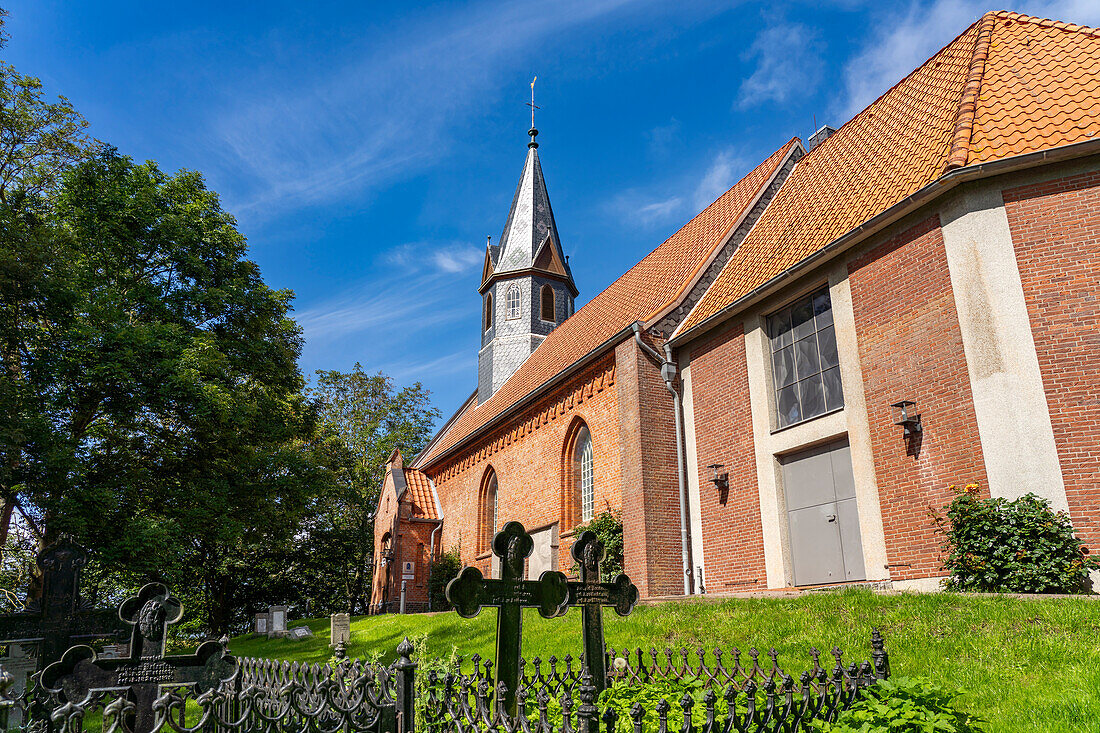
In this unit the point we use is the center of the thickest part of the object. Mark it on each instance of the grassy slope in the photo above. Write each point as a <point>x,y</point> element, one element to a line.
<point>1030,665</point>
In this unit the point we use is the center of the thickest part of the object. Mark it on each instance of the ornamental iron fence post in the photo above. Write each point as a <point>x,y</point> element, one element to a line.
<point>405,688</point>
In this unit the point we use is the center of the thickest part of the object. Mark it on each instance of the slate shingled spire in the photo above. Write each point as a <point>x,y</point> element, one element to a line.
<point>526,285</point>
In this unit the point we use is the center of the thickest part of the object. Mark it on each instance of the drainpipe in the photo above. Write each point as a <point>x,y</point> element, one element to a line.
<point>668,373</point>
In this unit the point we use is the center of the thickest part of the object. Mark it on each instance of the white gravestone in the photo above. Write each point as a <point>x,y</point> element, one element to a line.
<point>261,624</point>
<point>544,556</point>
<point>21,662</point>
<point>339,628</point>
<point>277,624</point>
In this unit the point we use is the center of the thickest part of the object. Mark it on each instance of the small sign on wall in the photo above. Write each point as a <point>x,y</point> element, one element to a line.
<point>408,570</point>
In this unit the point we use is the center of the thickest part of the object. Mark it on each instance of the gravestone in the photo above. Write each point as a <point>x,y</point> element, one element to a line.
<point>57,619</point>
<point>592,595</point>
<point>20,661</point>
<point>545,554</point>
<point>261,624</point>
<point>146,670</point>
<point>470,591</point>
<point>276,621</point>
<point>299,632</point>
<point>339,629</point>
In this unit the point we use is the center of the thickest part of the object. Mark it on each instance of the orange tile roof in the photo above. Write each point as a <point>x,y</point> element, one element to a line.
<point>1010,84</point>
<point>419,493</point>
<point>642,291</point>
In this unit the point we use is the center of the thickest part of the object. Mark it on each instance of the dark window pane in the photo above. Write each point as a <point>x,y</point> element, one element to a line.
<point>779,328</point>
<point>823,309</point>
<point>802,319</point>
<point>813,399</point>
<point>834,394</point>
<point>806,358</point>
<point>826,339</point>
<point>783,366</point>
<point>788,406</point>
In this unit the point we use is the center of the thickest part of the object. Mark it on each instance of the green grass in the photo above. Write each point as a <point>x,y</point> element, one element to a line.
<point>1025,665</point>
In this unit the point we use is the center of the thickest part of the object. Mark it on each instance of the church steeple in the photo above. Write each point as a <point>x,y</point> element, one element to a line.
<point>527,286</point>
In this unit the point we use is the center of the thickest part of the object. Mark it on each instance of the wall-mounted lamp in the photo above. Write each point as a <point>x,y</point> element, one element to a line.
<point>721,480</point>
<point>905,415</point>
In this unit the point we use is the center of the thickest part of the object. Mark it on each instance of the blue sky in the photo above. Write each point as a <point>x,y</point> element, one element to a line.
<point>368,148</point>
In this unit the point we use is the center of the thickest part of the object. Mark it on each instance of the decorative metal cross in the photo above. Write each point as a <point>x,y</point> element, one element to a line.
<point>57,619</point>
<point>471,591</point>
<point>142,675</point>
<point>532,104</point>
<point>592,596</point>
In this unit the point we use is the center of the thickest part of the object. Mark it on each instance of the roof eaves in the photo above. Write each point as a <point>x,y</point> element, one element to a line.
<point>534,395</point>
<point>880,221</point>
<point>470,402</point>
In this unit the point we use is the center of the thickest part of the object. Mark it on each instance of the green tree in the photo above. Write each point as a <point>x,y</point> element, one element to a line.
<point>39,140</point>
<point>161,412</point>
<point>371,418</point>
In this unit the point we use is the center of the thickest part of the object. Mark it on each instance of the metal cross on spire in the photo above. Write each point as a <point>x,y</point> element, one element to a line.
<point>533,132</point>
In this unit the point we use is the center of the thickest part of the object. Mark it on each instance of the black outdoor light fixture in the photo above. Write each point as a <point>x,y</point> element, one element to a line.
<point>906,416</point>
<point>721,480</point>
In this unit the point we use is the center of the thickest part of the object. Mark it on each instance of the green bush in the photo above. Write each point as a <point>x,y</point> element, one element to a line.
<point>608,527</point>
<point>1019,546</point>
<point>903,705</point>
<point>442,570</point>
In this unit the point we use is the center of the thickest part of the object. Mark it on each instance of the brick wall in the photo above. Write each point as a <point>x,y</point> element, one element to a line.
<point>650,490</point>
<point>733,543</point>
<point>535,481</point>
<point>910,347</point>
<point>411,541</point>
<point>1056,232</point>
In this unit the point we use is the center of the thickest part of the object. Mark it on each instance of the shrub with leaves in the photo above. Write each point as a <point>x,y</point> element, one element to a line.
<point>608,527</point>
<point>442,571</point>
<point>1018,546</point>
<point>904,705</point>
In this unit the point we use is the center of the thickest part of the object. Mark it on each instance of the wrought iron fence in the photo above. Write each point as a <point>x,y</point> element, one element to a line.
<point>697,691</point>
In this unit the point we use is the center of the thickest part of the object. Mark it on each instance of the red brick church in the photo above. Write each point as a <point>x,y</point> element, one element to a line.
<point>777,395</point>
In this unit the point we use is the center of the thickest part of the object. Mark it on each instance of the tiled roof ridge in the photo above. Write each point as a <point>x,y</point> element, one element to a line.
<point>1044,22</point>
<point>968,103</point>
<point>689,282</point>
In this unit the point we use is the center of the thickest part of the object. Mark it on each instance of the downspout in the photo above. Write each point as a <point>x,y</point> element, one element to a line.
<point>431,561</point>
<point>668,373</point>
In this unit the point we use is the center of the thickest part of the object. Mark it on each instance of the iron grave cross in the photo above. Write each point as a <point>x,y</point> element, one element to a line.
<point>146,670</point>
<point>59,617</point>
<point>592,596</point>
<point>470,591</point>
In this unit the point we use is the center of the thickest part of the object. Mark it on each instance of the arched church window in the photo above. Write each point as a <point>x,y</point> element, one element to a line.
<point>547,296</point>
<point>512,301</point>
<point>488,318</point>
<point>587,476</point>
<point>487,510</point>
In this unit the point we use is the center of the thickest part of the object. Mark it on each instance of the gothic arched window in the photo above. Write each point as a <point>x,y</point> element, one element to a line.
<point>547,296</point>
<point>487,510</point>
<point>488,318</point>
<point>587,477</point>
<point>579,474</point>
<point>512,301</point>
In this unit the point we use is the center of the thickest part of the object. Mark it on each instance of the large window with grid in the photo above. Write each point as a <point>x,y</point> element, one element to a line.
<point>512,301</point>
<point>805,364</point>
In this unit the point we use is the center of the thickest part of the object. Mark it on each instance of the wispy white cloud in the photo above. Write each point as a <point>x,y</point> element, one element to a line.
<point>902,39</point>
<point>336,132</point>
<point>788,61</point>
<point>722,173</point>
<point>460,362</point>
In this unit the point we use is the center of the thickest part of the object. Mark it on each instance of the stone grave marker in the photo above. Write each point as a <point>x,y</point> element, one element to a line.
<point>59,618</point>
<point>261,624</point>
<point>339,629</point>
<point>592,595</point>
<point>276,621</point>
<point>299,632</point>
<point>470,591</point>
<point>145,671</point>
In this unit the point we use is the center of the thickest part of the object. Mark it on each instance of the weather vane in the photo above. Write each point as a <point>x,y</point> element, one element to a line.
<point>532,104</point>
